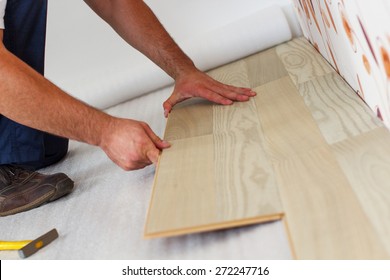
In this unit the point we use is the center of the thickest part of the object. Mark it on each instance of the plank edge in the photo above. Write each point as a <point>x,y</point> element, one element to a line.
<point>289,238</point>
<point>217,226</point>
<point>153,193</point>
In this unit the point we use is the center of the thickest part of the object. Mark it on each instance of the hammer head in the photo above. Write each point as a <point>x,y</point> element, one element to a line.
<point>38,243</point>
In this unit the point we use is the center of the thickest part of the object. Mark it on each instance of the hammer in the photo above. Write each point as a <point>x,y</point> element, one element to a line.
<point>28,247</point>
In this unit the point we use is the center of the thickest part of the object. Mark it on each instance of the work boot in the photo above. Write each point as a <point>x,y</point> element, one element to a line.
<point>22,189</point>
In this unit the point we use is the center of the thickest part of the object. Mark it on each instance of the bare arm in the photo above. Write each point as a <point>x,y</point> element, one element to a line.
<point>28,98</point>
<point>135,22</point>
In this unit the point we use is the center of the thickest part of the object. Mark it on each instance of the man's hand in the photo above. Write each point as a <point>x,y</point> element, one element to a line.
<point>199,84</point>
<point>131,144</point>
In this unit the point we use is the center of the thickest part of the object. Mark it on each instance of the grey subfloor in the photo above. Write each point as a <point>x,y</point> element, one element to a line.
<point>104,216</point>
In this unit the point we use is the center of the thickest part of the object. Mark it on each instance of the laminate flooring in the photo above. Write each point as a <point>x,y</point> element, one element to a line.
<point>306,150</point>
<point>217,164</point>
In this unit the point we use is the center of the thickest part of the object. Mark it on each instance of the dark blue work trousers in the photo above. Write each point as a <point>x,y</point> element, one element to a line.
<point>24,36</point>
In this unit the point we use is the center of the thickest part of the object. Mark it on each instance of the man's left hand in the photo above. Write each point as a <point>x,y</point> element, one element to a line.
<point>199,84</point>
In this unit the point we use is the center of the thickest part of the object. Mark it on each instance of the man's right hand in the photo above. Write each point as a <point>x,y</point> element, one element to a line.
<point>30,99</point>
<point>131,144</point>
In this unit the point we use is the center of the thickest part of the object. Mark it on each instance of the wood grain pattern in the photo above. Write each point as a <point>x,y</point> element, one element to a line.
<point>245,186</point>
<point>336,108</point>
<point>305,145</point>
<point>302,61</point>
<point>324,216</point>
<point>244,178</point>
<point>190,118</point>
<point>264,67</point>
<point>285,120</point>
<point>365,160</point>
<point>183,187</point>
<point>234,73</point>
<point>189,193</point>
<point>216,173</point>
<point>194,117</point>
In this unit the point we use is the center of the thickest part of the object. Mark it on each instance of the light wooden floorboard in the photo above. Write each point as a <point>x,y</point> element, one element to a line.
<point>183,194</point>
<point>324,216</point>
<point>194,117</point>
<point>337,109</point>
<point>234,73</point>
<point>244,178</point>
<point>365,160</point>
<point>212,182</point>
<point>302,61</point>
<point>285,120</point>
<point>264,67</point>
<point>191,118</point>
<point>306,148</point>
<point>325,219</point>
<point>234,181</point>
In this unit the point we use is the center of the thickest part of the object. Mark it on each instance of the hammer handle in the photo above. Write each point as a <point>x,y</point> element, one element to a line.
<point>13,245</point>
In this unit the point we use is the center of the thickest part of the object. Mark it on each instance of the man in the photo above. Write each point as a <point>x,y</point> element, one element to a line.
<point>37,118</point>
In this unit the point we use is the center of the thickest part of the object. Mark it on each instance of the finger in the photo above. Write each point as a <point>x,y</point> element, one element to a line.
<point>169,103</point>
<point>134,165</point>
<point>234,93</point>
<point>167,109</point>
<point>214,96</point>
<point>241,90</point>
<point>152,155</point>
<point>148,155</point>
<point>175,98</point>
<point>157,141</point>
<point>244,91</point>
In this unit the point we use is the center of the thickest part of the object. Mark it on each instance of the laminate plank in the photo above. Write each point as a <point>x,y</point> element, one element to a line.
<point>286,122</point>
<point>245,186</point>
<point>188,196</point>
<point>190,118</point>
<point>264,67</point>
<point>244,178</point>
<point>302,61</point>
<point>194,117</point>
<point>325,219</point>
<point>234,73</point>
<point>254,161</point>
<point>238,117</point>
<point>324,216</point>
<point>183,193</point>
<point>215,181</point>
<point>337,109</point>
<point>365,160</point>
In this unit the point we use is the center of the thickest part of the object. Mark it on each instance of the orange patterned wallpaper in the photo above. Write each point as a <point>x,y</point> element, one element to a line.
<point>354,36</point>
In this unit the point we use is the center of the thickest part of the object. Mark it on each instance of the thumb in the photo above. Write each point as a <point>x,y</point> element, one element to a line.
<point>176,97</point>
<point>169,103</point>
<point>153,155</point>
<point>161,144</point>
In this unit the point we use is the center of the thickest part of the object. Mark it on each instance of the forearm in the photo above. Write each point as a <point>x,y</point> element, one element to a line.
<point>28,98</point>
<point>135,23</point>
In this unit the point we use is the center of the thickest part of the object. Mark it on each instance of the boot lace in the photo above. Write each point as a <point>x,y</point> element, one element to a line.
<point>10,174</point>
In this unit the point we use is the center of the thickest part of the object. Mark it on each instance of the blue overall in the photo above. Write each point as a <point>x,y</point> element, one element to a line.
<point>24,36</point>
